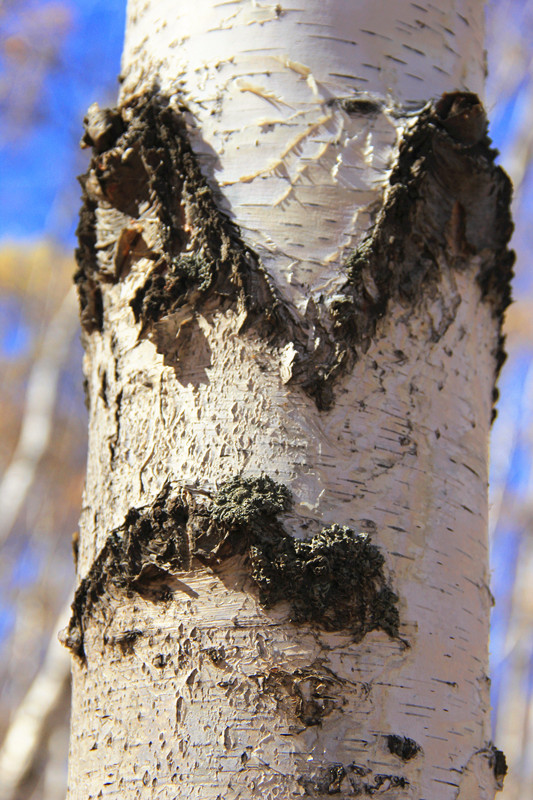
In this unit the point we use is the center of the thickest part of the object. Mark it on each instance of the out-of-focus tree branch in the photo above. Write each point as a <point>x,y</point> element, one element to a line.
<point>27,731</point>
<point>38,412</point>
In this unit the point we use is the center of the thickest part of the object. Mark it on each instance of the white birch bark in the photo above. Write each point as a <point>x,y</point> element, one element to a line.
<point>296,115</point>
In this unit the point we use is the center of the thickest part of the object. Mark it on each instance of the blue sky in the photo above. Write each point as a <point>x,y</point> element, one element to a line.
<point>39,193</point>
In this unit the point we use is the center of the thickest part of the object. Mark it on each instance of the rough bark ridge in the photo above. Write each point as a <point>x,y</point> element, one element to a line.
<point>445,191</point>
<point>334,579</point>
<point>446,196</point>
<point>141,158</point>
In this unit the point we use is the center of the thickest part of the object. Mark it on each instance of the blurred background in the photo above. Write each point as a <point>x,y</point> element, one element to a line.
<point>56,58</point>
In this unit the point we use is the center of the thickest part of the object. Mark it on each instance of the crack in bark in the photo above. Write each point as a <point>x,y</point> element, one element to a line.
<point>334,579</point>
<point>447,203</point>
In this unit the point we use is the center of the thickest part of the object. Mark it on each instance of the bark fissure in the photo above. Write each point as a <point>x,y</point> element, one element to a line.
<point>334,579</point>
<point>446,205</point>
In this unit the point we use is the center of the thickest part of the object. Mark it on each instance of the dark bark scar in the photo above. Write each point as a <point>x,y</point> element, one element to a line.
<point>447,202</point>
<point>334,579</point>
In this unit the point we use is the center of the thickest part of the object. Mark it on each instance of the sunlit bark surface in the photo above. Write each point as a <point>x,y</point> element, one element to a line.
<point>296,116</point>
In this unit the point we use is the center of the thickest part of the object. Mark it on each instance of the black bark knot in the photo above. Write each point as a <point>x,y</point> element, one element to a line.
<point>498,763</point>
<point>402,746</point>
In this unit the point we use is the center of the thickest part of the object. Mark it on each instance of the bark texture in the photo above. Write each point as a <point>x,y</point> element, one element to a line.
<point>290,362</point>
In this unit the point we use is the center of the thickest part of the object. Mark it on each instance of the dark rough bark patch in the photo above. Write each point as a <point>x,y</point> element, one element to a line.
<point>307,695</point>
<point>363,106</point>
<point>447,200</point>
<point>498,764</point>
<point>246,501</point>
<point>142,156</point>
<point>402,746</point>
<point>463,116</point>
<point>217,656</point>
<point>384,782</point>
<point>125,641</point>
<point>350,780</point>
<point>102,128</point>
<point>335,579</point>
<point>164,291</point>
<point>150,544</point>
<point>325,781</point>
<point>85,276</point>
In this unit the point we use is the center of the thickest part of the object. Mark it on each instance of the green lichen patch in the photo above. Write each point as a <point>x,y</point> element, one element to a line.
<point>165,288</point>
<point>334,579</point>
<point>244,501</point>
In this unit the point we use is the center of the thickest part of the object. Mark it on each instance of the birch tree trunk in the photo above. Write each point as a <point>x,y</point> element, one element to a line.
<point>293,266</point>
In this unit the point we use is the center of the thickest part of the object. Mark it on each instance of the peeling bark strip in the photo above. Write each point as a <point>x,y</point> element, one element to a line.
<point>447,206</point>
<point>334,579</point>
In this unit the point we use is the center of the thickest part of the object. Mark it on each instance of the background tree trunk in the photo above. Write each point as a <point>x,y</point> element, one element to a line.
<point>292,273</point>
